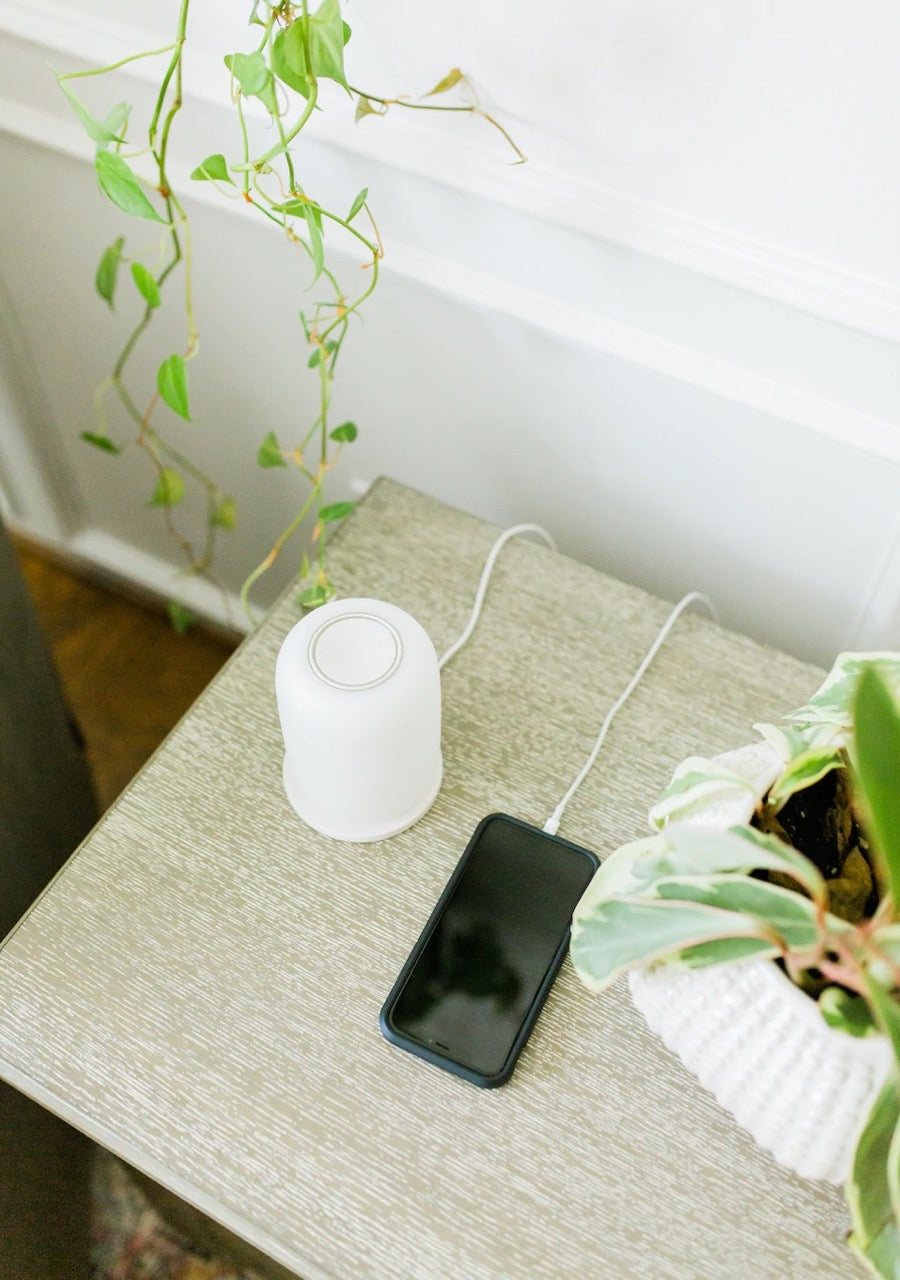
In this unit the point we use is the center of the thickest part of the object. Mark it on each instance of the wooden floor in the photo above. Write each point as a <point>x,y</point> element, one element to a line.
<point>128,677</point>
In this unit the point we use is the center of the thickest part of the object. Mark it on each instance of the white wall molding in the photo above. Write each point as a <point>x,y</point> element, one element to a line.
<point>476,165</point>
<point>594,329</point>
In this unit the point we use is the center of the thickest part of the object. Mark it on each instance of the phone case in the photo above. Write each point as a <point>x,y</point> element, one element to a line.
<point>409,1043</point>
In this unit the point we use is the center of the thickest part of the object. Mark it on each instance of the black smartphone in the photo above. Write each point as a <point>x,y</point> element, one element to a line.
<point>473,985</point>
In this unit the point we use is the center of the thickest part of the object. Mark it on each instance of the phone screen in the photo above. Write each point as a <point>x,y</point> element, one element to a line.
<point>473,985</point>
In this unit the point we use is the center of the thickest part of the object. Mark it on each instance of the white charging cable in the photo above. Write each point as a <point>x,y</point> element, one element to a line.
<point>551,826</point>
<point>486,572</point>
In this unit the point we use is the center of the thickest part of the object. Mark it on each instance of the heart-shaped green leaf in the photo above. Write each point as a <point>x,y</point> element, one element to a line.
<point>146,284</point>
<point>286,73</point>
<point>324,33</point>
<point>108,271</point>
<point>100,442</point>
<point>97,130</point>
<point>270,454</point>
<point>120,185</point>
<point>169,490</point>
<point>336,511</point>
<point>212,169</point>
<point>224,515</point>
<point>358,203</point>
<point>346,433</point>
<point>449,81</point>
<point>171,381</point>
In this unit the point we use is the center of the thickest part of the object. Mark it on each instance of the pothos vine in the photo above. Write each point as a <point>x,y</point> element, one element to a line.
<point>294,50</point>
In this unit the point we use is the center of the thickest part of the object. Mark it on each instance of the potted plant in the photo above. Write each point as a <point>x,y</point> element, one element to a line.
<point>761,931</point>
<point>292,67</point>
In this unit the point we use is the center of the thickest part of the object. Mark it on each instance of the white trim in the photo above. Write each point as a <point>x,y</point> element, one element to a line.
<point>121,561</point>
<point>33,485</point>
<point>831,418</point>
<point>477,167</point>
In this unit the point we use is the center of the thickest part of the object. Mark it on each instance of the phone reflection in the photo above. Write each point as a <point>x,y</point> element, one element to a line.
<point>465,960</point>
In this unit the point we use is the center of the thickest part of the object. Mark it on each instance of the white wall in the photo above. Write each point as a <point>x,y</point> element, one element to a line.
<point>671,337</point>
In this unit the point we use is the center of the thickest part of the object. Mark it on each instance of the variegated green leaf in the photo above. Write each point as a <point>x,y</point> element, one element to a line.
<point>791,740</point>
<point>695,779</point>
<point>803,771</point>
<point>832,703</point>
<point>620,933</point>
<point>774,910</point>
<point>742,849</point>
<point>847,1012</point>
<point>626,872</point>
<point>886,1009</point>
<point>875,1236</point>
<point>726,951</point>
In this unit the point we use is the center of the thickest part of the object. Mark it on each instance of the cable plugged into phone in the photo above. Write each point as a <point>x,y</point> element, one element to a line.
<point>551,826</point>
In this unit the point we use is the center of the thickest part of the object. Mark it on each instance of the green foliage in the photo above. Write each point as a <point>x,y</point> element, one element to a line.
<point>449,81</point>
<point>224,514</point>
<point>847,1012</point>
<point>873,1207</point>
<point>692,896</point>
<point>171,382</point>
<point>620,932</point>
<point>146,284</point>
<point>694,782</point>
<point>314,45</point>
<point>181,618</point>
<point>803,771</point>
<point>212,169</point>
<point>252,74</point>
<point>335,511</point>
<point>169,489</point>
<point>108,270</point>
<point>358,202</point>
<point>346,433</point>
<point>878,767</point>
<point>270,454</point>
<point>313,597</point>
<point>290,50</point>
<point>100,441</point>
<point>120,185</point>
<point>101,131</point>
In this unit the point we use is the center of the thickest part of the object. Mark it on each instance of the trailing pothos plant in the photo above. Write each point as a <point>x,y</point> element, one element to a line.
<point>822,900</point>
<point>292,49</point>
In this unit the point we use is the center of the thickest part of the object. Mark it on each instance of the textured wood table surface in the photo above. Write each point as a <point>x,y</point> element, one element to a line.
<point>199,988</point>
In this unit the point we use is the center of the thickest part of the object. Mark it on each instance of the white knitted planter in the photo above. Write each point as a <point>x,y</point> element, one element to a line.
<point>801,1088</point>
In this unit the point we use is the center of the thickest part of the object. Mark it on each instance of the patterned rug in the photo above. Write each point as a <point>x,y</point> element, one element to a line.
<point>132,1242</point>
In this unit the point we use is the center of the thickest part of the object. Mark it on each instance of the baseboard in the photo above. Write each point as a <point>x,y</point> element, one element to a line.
<point>148,580</point>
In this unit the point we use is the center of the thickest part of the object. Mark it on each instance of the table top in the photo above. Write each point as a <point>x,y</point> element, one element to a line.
<point>199,988</point>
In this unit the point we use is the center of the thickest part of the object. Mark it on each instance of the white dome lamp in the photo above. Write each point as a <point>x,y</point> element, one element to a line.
<point>359,699</point>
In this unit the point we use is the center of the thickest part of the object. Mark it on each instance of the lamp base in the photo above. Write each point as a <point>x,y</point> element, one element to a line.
<point>359,833</point>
